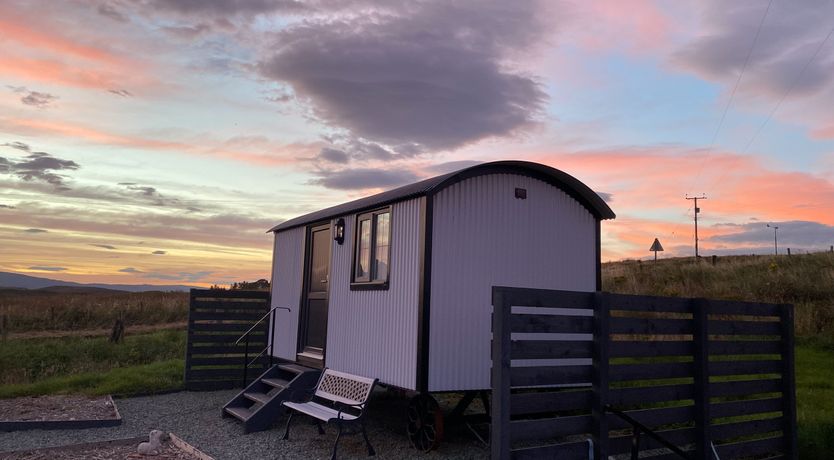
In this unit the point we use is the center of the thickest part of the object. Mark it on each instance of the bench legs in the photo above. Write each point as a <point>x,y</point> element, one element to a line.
<point>339,435</point>
<point>289,420</point>
<point>339,422</point>
<point>371,451</point>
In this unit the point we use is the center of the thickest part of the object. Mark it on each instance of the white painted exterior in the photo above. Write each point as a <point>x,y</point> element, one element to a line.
<point>482,237</point>
<point>370,333</point>
<point>374,333</point>
<point>287,281</point>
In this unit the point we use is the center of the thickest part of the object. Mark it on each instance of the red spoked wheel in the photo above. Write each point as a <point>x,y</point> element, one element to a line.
<point>425,422</point>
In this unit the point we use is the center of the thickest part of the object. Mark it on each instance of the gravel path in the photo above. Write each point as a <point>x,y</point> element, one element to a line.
<point>195,417</point>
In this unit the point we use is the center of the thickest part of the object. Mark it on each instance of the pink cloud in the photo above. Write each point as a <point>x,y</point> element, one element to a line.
<point>638,25</point>
<point>259,150</point>
<point>648,188</point>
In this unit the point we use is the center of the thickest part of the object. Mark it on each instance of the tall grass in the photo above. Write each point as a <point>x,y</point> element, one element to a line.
<point>23,311</point>
<point>806,280</point>
<point>26,361</point>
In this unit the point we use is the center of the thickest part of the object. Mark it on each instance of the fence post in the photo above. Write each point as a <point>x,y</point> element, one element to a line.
<point>500,431</point>
<point>600,375</point>
<point>700,337</point>
<point>789,430</point>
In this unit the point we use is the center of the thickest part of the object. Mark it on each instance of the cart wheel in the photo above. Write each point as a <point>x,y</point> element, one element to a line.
<point>425,422</point>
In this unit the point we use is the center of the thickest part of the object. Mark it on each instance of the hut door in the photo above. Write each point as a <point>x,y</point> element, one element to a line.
<point>313,325</point>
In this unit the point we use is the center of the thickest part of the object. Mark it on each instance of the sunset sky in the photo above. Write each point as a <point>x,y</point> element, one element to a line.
<point>156,141</point>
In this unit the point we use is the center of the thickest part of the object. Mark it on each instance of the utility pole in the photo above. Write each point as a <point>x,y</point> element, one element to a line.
<point>697,210</point>
<point>775,246</point>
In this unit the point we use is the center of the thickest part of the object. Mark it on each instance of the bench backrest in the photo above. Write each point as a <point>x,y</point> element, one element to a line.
<point>344,388</point>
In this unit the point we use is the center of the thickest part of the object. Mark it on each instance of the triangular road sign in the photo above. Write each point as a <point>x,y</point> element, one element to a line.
<point>656,246</point>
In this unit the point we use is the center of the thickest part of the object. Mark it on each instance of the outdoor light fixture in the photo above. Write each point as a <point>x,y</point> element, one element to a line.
<point>339,231</point>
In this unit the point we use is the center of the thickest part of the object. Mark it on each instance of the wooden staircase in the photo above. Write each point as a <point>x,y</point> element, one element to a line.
<point>259,404</point>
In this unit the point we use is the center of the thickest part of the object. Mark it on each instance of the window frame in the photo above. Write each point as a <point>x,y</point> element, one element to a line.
<point>370,283</point>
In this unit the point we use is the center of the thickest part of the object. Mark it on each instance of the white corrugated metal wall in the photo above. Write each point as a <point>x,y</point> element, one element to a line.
<point>483,236</point>
<point>374,333</point>
<point>288,267</point>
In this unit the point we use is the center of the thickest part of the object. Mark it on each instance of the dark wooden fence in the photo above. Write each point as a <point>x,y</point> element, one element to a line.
<point>216,319</point>
<point>697,372</point>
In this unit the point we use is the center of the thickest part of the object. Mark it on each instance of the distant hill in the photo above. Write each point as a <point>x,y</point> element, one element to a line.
<point>19,281</point>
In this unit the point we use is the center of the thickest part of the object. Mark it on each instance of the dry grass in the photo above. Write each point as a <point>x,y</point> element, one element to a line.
<point>24,311</point>
<point>806,280</point>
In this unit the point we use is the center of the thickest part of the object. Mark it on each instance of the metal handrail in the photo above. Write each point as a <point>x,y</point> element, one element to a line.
<point>246,362</point>
<point>637,428</point>
<point>245,334</point>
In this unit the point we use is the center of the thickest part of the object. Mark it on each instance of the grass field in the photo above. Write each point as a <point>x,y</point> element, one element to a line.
<point>805,280</point>
<point>815,397</point>
<point>37,310</point>
<point>141,364</point>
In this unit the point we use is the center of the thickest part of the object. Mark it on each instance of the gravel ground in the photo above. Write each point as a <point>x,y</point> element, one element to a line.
<point>195,417</point>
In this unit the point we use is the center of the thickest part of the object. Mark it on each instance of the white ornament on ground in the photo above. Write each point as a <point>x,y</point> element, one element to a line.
<point>154,444</point>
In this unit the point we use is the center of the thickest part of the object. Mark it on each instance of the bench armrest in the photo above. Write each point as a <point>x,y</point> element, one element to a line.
<point>340,406</point>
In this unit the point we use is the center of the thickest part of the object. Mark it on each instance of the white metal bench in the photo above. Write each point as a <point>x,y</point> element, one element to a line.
<point>339,397</point>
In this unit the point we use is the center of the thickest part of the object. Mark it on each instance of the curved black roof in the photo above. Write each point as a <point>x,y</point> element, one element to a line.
<point>567,183</point>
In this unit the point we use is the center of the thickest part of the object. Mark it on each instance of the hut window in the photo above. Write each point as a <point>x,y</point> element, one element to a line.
<point>372,250</point>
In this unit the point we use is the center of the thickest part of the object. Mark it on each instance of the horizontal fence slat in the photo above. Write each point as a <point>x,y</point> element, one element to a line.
<point>216,350</point>
<point>224,294</point>
<point>678,437</point>
<point>726,431</point>
<point>736,327</point>
<point>227,373</point>
<point>647,348</point>
<point>654,417</point>
<point>568,451</point>
<point>745,407</point>
<point>648,303</point>
<point>745,347</point>
<point>224,327</point>
<point>745,387</point>
<point>551,324</point>
<point>209,385</point>
<point>621,325</point>
<point>719,368</point>
<point>549,428</point>
<point>618,372</point>
<point>729,307</point>
<point>225,315</point>
<point>750,448</point>
<point>552,401</point>
<point>227,305</point>
<point>523,297</point>
<point>224,338</point>
<point>225,361</point>
<point>649,394</point>
<point>549,375</point>
<point>549,349</point>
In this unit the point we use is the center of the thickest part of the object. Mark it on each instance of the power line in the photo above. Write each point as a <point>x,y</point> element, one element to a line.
<point>735,88</point>
<point>738,80</point>
<point>781,100</point>
<point>790,89</point>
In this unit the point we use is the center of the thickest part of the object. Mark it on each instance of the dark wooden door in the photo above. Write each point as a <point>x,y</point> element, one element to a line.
<point>313,326</point>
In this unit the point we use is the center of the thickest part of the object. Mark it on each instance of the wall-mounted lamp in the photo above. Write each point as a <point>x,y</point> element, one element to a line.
<point>339,231</point>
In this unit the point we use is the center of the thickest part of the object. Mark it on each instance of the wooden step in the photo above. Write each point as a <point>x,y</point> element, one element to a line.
<point>257,397</point>
<point>240,413</point>
<point>294,368</point>
<point>277,383</point>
